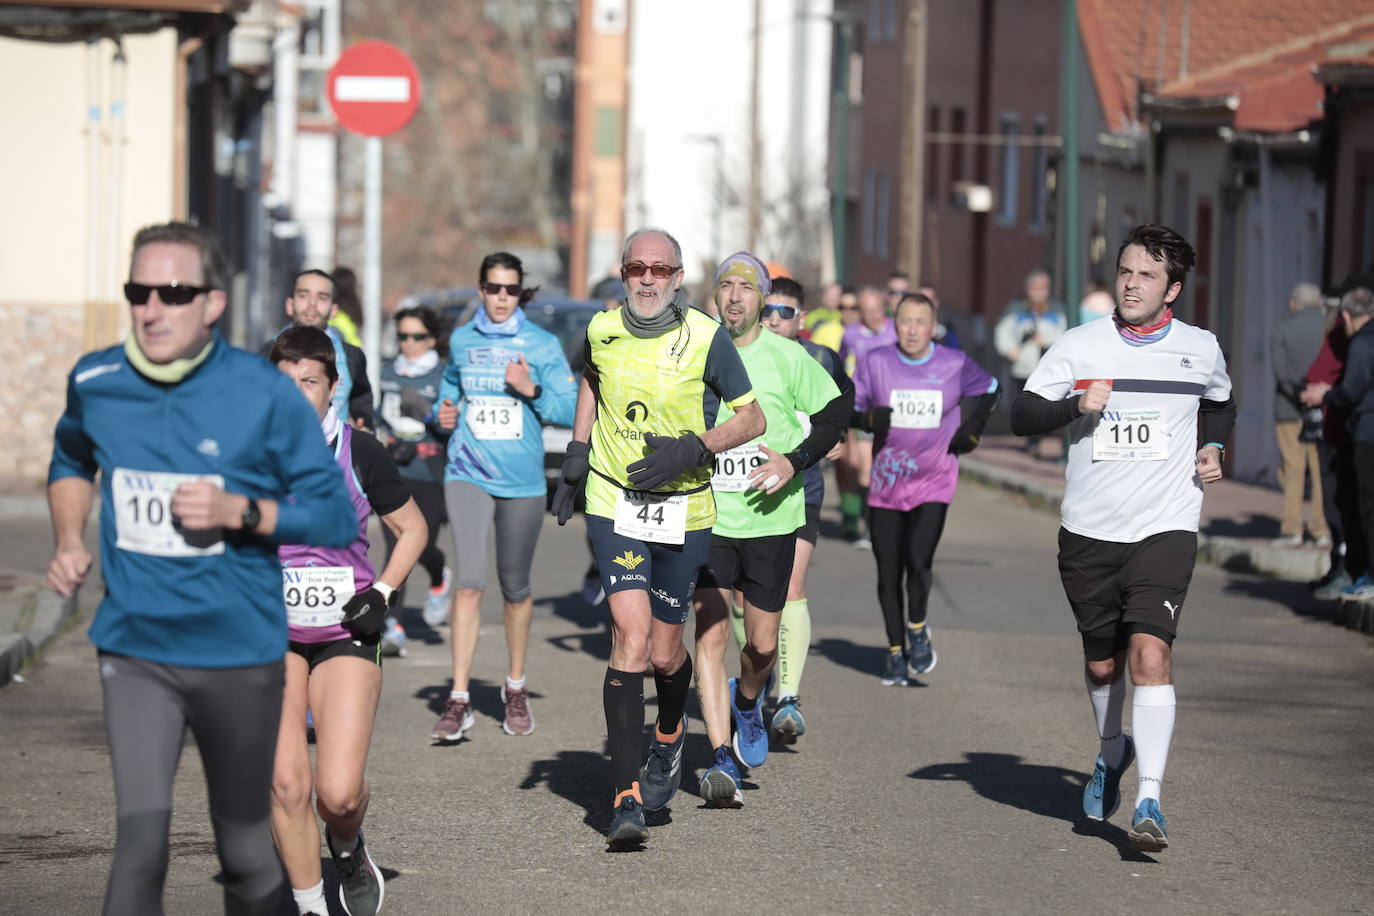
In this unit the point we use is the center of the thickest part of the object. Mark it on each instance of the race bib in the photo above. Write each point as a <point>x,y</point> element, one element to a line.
<point>1131,435</point>
<point>495,417</point>
<point>918,408</point>
<point>143,515</point>
<point>734,466</point>
<point>661,519</point>
<point>315,595</point>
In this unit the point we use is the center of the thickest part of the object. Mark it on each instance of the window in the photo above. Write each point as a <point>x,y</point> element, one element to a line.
<point>890,20</point>
<point>868,210</point>
<point>1009,194</point>
<point>875,20</point>
<point>1040,192</point>
<point>884,215</point>
<point>933,155</point>
<point>957,126</point>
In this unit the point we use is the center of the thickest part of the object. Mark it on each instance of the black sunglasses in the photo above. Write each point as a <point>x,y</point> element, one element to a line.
<point>494,289</point>
<point>423,336</point>
<point>170,294</point>
<point>785,312</point>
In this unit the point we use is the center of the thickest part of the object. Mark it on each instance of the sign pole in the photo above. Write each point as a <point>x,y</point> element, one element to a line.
<point>372,261</point>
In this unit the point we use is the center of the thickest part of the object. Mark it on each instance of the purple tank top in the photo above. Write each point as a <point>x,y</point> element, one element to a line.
<point>318,581</point>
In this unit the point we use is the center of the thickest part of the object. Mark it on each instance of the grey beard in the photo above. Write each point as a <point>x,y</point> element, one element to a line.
<point>665,319</point>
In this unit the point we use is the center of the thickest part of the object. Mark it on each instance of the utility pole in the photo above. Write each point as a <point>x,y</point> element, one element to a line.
<point>839,157</point>
<point>1068,165</point>
<point>755,138</point>
<point>914,140</point>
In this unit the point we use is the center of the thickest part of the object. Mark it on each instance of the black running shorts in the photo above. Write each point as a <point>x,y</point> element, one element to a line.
<point>317,653</point>
<point>668,572</point>
<point>758,567</point>
<point>1119,589</point>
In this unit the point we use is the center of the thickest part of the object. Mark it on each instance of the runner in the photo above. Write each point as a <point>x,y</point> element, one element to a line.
<point>908,395</point>
<point>645,432</point>
<point>410,386</point>
<point>794,631</point>
<point>312,304</point>
<point>336,608</point>
<point>1132,390</point>
<point>874,329</point>
<point>761,508</point>
<point>505,376</point>
<point>195,486</point>
<point>830,334</point>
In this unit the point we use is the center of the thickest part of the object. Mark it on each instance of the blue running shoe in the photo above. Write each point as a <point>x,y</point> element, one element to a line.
<point>720,784</point>
<point>788,724</point>
<point>921,656</point>
<point>894,668</point>
<point>1359,590</point>
<point>661,774</point>
<point>1102,794</point>
<point>1148,833</point>
<point>751,738</point>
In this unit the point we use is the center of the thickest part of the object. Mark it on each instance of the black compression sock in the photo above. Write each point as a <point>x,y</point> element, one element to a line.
<point>672,695</point>
<point>743,703</point>
<point>622,693</point>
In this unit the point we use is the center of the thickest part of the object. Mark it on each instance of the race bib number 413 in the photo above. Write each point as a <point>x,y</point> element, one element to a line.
<point>495,417</point>
<point>143,515</point>
<point>1131,435</point>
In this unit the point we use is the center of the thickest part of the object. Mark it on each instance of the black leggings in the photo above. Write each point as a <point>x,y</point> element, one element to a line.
<point>1341,499</point>
<point>233,714</point>
<point>429,496</point>
<point>904,547</point>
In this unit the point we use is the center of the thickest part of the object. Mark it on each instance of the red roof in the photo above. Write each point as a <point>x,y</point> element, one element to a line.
<point>1261,51</point>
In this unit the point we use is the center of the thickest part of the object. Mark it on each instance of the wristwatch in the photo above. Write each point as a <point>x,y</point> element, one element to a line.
<point>252,515</point>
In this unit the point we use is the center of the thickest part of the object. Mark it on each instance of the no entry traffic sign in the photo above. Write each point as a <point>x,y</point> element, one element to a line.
<point>374,88</point>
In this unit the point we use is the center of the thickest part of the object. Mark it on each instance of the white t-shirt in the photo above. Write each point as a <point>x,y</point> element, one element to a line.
<point>1131,471</point>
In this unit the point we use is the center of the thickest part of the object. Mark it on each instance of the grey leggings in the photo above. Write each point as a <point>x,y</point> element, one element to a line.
<point>233,714</point>
<point>471,511</point>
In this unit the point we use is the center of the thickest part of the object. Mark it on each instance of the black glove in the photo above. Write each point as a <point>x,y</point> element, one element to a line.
<point>879,420</point>
<point>365,615</point>
<point>963,442</point>
<point>402,452</point>
<point>575,468</point>
<point>667,460</point>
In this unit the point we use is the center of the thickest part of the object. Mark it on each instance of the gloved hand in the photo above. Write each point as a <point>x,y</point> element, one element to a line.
<point>879,420</point>
<point>667,460</point>
<point>402,452</point>
<point>365,615</point>
<point>963,442</point>
<point>574,471</point>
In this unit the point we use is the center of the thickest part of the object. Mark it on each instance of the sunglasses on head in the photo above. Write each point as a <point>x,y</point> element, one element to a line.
<point>494,289</point>
<point>170,294</point>
<point>421,336</point>
<point>785,312</point>
<point>635,269</point>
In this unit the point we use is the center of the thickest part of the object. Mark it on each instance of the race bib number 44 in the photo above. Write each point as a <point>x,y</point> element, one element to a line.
<point>917,408</point>
<point>143,515</point>
<point>1131,435</point>
<point>315,595</point>
<point>733,467</point>
<point>661,519</point>
<point>495,417</point>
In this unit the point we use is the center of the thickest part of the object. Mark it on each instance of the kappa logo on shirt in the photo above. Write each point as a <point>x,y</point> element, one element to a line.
<point>1186,363</point>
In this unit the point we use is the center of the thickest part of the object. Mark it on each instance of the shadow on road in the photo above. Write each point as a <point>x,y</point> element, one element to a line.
<point>1044,790</point>
<point>486,698</point>
<point>573,608</point>
<point>1292,595</point>
<point>864,659</point>
<point>596,644</point>
<point>416,628</point>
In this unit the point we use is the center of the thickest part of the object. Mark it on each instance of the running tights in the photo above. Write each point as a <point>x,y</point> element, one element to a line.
<point>233,713</point>
<point>429,497</point>
<point>472,513</point>
<point>904,548</point>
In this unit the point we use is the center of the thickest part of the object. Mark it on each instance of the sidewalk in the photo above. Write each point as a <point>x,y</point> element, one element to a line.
<point>1238,519</point>
<point>30,615</point>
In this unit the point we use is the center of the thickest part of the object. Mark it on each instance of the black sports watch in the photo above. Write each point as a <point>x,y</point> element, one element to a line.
<point>252,515</point>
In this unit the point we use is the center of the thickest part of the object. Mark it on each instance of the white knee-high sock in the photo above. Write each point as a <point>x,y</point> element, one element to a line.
<point>1108,702</point>
<point>1152,725</point>
<point>311,899</point>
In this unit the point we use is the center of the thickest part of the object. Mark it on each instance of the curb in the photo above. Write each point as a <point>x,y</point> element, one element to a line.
<point>51,614</point>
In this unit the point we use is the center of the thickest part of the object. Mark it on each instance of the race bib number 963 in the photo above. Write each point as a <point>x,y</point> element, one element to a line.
<point>143,515</point>
<point>315,595</point>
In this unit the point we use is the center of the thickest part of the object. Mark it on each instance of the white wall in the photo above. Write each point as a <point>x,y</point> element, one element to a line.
<point>690,72</point>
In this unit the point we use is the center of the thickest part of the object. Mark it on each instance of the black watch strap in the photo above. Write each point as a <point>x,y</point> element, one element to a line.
<point>252,515</point>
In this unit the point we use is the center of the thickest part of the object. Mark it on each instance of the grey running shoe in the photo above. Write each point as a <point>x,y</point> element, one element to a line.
<point>894,668</point>
<point>361,886</point>
<point>1329,589</point>
<point>518,719</point>
<point>788,724</point>
<point>661,774</point>
<point>437,603</point>
<point>457,718</point>
<point>627,825</point>
<point>921,655</point>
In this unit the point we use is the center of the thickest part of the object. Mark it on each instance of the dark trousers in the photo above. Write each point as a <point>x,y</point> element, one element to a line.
<point>904,550</point>
<point>1340,503</point>
<point>1364,476</point>
<point>429,498</point>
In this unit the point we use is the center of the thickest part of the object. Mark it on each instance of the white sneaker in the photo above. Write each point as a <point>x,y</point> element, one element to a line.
<point>436,603</point>
<point>1323,542</point>
<point>1287,540</point>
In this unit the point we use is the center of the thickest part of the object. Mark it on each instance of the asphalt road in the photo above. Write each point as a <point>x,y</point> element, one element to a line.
<point>958,796</point>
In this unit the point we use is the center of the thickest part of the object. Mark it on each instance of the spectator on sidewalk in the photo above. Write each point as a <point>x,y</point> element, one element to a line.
<point>1292,347</point>
<point>1354,394</point>
<point>1029,327</point>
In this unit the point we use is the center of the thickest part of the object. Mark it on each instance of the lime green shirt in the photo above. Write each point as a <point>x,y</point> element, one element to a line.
<point>667,385</point>
<point>786,380</point>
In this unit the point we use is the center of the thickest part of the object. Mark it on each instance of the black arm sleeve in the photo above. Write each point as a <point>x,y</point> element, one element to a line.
<point>1215,420</point>
<point>386,491</point>
<point>1032,415</point>
<point>983,406</point>
<point>827,426</point>
<point>360,398</point>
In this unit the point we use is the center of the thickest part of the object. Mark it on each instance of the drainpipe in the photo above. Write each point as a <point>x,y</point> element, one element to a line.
<point>93,140</point>
<point>181,197</point>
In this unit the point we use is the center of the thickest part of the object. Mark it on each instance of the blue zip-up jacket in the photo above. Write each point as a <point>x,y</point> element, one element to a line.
<point>199,601</point>
<point>477,367</point>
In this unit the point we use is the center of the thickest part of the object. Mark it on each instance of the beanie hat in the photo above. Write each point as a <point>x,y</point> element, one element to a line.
<point>749,268</point>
